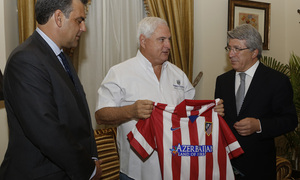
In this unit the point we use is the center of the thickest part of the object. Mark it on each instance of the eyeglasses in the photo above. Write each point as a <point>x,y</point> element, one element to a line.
<point>235,50</point>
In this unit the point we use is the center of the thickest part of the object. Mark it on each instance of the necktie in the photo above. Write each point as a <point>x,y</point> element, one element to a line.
<point>66,65</point>
<point>241,92</point>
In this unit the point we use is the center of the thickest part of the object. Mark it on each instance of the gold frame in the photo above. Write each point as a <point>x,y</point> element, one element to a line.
<point>252,6</point>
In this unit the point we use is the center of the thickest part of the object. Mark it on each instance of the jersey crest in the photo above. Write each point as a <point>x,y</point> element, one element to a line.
<point>208,128</point>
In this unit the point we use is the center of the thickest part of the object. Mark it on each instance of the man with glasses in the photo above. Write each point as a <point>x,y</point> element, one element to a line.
<point>258,103</point>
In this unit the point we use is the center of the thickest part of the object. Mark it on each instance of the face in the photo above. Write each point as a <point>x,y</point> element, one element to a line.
<point>73,26</point>
<point>157,48</point>
<point>242,60</point>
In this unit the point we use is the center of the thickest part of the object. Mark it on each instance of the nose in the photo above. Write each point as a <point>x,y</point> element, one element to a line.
<point>168,43</point>
<point>231,53</point>
<point>82,26</point>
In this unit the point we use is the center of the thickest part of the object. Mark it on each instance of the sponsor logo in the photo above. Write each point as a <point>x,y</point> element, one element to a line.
<point>190,150</point>
<point>174,129</point>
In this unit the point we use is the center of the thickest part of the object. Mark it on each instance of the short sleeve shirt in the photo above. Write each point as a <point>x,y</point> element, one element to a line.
<point>134,80</point>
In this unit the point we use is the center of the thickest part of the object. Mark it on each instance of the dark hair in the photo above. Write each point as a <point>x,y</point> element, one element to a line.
<point>44,9</point>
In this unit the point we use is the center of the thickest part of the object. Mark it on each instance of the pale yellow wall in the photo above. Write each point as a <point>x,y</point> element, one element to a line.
<point>293,26</point>
<point>11,25</point>
<point>8,41</point>
<point>210,38</point>
<point>210,26</point>
<point>3,122</point>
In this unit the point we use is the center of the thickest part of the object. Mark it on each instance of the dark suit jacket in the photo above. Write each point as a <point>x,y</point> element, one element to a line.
<point>50,131</point>
<point>269,99</point>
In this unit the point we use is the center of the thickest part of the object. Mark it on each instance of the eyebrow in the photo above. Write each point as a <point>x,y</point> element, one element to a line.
<point>80,18</point>
<point>164,37</point>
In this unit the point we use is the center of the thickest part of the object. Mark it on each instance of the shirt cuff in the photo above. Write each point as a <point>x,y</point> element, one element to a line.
<point>259,126</point>
<point>94,172</point>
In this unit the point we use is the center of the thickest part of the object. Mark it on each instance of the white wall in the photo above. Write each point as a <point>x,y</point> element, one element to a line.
<point>210,23</point>
<point>8,41</point>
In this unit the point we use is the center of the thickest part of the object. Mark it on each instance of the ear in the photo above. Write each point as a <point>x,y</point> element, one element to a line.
<point>142,40</point>
<point>58,17</point>
<point>255,53</point>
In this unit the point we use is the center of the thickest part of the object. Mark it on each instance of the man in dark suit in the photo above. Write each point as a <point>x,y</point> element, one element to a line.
<point>50,130</point>
<point>266,111</point>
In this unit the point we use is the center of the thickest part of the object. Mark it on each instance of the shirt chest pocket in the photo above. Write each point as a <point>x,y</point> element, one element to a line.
<point>129,96</point>
<point>178,93</point>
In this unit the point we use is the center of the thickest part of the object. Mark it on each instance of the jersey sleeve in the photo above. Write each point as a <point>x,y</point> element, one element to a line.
<point>233,147</point>
<point>141,138</point>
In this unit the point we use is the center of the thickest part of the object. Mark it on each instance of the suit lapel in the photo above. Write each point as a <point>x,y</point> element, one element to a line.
<point>54,62</point>
<point>231,86</point>
<point>79,92</point>
<point>255,86</point>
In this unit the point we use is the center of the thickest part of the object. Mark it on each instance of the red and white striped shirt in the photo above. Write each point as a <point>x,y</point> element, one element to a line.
<point>192,141</point>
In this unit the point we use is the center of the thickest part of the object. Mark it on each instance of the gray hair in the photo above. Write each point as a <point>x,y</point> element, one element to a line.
<point>148,25</point>
<point>44,9</point>
<point>250,34</point>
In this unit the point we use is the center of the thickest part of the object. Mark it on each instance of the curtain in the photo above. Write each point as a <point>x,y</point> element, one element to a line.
<point>109,40</point>
<point>180,16</point>
<point>27,23</point>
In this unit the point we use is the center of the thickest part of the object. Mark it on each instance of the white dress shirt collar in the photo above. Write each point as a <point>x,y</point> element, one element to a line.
<point>249,76</point>
<point>251,70</point>
<point>53,46</point>
<point>146,63</point>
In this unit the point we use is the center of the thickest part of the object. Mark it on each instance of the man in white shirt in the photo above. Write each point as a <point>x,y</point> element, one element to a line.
<point>128,91</point>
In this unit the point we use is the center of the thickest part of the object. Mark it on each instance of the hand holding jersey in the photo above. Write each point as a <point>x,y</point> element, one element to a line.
<point>141,109</point>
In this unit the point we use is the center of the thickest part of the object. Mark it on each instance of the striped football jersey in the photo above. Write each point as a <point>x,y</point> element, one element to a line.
<point>192,141</point>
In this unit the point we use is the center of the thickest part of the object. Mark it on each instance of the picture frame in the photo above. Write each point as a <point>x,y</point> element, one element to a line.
<point>251,12</point>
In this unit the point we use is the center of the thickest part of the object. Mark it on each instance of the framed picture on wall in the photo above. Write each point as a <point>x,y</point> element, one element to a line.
<point>250,12</point>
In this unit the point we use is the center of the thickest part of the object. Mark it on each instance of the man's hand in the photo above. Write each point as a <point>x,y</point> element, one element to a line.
<point>142,109</point>
<point>247,126</point>
<point>98,170</point>
<point>219,108</point>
